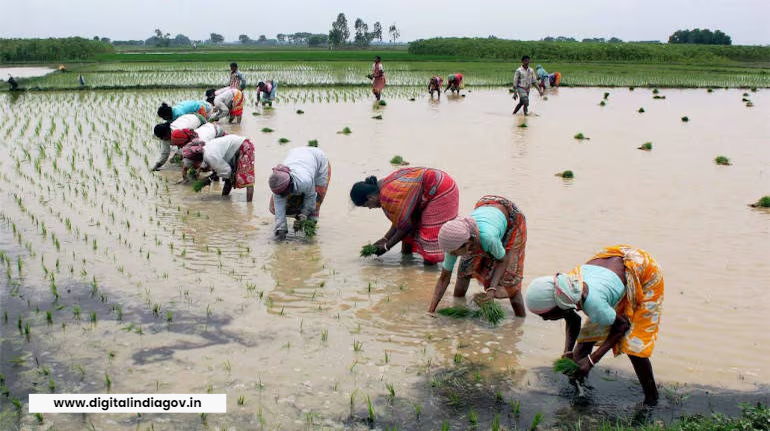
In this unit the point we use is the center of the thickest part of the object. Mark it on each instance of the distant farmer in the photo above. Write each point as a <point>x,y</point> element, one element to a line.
<point>164,131</point>
<point>228,102</point>
<point>523,79</point>
<point>62,68</point>
<point>171,113</point>
<point>266,92</point>
<point>12,82</point>
<point>546,79</point>
<point>435,84</point>
<point>542,75</point>
<point>237,80</point>
<point>231,157</point>
<point>299,187</point>
<point>378,77</point>
<point>81,81</point>
<point>620,289</point>
<point>454,83</point>
<point>554,79</point>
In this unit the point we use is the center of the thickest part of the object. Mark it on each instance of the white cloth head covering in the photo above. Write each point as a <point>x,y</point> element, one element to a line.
<point>544,294</point>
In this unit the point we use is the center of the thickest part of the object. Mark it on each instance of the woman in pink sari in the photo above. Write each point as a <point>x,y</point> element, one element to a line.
<point>377,77</point>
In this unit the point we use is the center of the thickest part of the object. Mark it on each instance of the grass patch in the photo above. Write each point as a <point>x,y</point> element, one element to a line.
<point>763,202</point>
<point>368,250</point>
<point>345,131</point>
<point>312,143</point>
<point>647,146</point>
<point>398,160</point>
<point>722,160</point>
<point>267,130</point>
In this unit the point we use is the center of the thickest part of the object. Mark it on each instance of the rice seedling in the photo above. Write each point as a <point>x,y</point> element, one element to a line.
<point>606,95</point>
<point>763,202</point>
<point>536,421</point>
<point>523,125</point>
<point>710,90</point>
<point>48,317</point>
<point>566,174</point>
<point>602,103</point>
<point>17,403</point>
<point>368,250</point>
<point>444,425</point>
<point>655,91</point>
<point>492,312</point>
<point>107,381</point>
<point>722,160</point>
<point>358,346</point>
<point>685,119</point>
<point>473,418</point>
<point>39,418</point>
<point>312,143</point>
<point>370,409</point>
<point>283,141</point>
<point>377,117</point>
<point>387,357</point>
<point>299,111</point>
<point>399,161</point>
<point>382,103</point>
<point>391,391</point>
<point>169,316</point>
<point>324,335</point>
<point>27,331</point>
<point>345,131</point>
<point>657,97</point>
<point>256,114</point>
<point>749,104</point>
<point>458,358</point>
<point>307,226</point>
<point>579,136</point>
<point>565,366</point>
<point>93,317</point>
<point>647,146</point>
<point>267,130</point>
<point>199,184</point>
<point>640,110</point>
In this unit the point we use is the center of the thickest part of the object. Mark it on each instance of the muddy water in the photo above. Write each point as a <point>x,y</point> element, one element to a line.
<point>304,331</point>
<point>24,72</point>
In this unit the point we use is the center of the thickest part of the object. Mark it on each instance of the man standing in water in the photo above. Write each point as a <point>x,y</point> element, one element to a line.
<point>523,80</point>
<point>12,82</point>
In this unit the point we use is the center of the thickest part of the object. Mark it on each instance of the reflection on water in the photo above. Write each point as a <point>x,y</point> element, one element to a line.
<point>191,294</point>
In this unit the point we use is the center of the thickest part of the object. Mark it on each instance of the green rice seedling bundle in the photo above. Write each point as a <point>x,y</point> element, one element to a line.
<point>199,184</point>
<point>566,174</point>
<point>763,202</point>
<point>749,104</point>
<point>523,125</point>
<point>606,95</point>
<point>345,131</point>
<point>299,111</point>
<point>368,250</point>
<point>283,141</point>
<point>602,103</point>
<point>267,130</point>
<point>382,103</point>
<point>580,136</point>
<point>647,146</point>
<point>710,90</point>
<point>308,227</point>
<point>492,312</point>
<point>745,100</point>
<point>398,160</point>
<point>685,119</point>
<point>378,117</point>
<point>655,91</point>
<point>641,110</point>
<point>255,114</point>
<point>658,97</point>
<point>312,143</point>
<point>565,366</point>
<point>456,312</point>
<point>192,174</point>
<point>745,94</point>
<point>722,160</point>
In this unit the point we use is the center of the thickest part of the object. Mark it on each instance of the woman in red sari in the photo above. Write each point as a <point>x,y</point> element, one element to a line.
<point>377,77</point>
<point>417,201</point>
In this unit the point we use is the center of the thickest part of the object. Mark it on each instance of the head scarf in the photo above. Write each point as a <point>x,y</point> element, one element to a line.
<point>455,233</point>
<point>547,292</point>
<point>181,137</point>
<point>280,179</point>
<point>194,151</point>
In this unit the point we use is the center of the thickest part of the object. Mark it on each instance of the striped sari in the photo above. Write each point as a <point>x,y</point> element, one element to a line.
<point>420,200</point>
<point>481,265</point>
<point>642,303</point>
<point>237,109</point>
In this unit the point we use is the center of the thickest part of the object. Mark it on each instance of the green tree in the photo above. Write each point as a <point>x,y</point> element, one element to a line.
<point>376,31</point>
<point>244,39</point>
<point>216,38</point>
<point>362,33</point>
<point>394,33</point>
<point>162,39</point>
<point>700,36</point>
<point>340,33</point>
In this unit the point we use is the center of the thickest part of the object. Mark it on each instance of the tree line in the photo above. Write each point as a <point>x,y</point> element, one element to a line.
<point>339,35</point>
<point>52,49</point>
<point>698,36</point>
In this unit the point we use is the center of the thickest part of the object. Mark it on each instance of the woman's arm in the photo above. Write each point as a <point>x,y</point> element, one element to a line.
<point>438,292</point>
<point>618,330</point>
<point>572,322</point>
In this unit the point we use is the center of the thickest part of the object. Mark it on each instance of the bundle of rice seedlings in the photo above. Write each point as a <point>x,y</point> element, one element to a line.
<point>345,131</point>
<point>312,143</point>
<point>255,113</point>
<point>192,174</point>
<point>745,94</point>
<point>382,103</point>
<point>283,141</point>
<point>544,97</point>
<point>763,202</point>
<point>492,312</point>
<point>658,97</point>
<point>722,160</point>
<point>523,125</point>
<point>398,160</point>
<point>368,250</point>
<point>308,227</point>
<point>602,103</point>
<point>456,312</point>
<point>710,90</point>
<point>630,88</point>
<point>606,95</point>
<point>267,130</point>
<point>198,185</point>
<point>749,104</point>
<point>655,91</point>
<point>299,111</point>
<point>566,174</point>
<point>378,117</point>
<point>745,100</point>
<point>580,136</point>
<point>647,146</point>
<point>685,119</point>
<point>565,366</point>
<point>641,110</point>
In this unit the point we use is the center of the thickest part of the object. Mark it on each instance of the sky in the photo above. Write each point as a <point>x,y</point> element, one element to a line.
<point>745,21</point>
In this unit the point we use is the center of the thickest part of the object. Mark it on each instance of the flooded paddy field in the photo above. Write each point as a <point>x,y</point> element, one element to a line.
<point>115,279</point>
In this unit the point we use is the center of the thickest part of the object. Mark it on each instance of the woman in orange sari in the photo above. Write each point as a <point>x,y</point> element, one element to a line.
<point>417,201</point>
<point>620,289</point>
<point>377,77</point>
